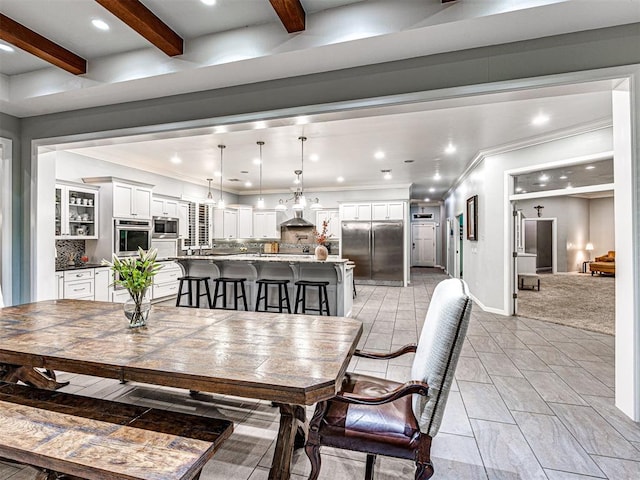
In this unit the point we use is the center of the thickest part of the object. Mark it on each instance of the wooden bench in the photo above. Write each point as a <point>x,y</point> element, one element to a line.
<point>95,439</point>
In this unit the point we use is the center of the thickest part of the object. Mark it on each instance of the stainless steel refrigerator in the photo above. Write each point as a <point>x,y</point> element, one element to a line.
<point>376,247</point>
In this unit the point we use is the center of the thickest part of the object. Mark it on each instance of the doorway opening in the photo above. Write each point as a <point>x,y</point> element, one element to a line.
<point>540,240</point>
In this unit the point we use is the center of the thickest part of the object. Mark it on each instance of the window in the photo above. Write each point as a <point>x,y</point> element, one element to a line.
<point>199,225</point>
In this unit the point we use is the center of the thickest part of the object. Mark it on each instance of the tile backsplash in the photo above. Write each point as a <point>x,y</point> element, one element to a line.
<point>68,251</point>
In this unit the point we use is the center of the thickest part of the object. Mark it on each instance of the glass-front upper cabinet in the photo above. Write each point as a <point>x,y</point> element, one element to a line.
<point>76,212</point>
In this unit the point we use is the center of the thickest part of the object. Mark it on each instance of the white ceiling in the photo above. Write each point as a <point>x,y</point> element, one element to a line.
<point>242,41</point>
<point>345,143</point>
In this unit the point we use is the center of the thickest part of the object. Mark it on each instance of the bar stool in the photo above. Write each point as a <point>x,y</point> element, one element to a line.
<point>190,281</point>
<point>283,295</point>
<point>223,294</point>
<point>323,297</point>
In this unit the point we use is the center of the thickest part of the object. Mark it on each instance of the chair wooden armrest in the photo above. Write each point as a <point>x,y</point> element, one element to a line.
<point>403,390</point>
<point>410,348</point>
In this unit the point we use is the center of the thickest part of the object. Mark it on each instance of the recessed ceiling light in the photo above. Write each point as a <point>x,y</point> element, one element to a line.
<point>302,120</point>
<point>209,3</point>
<point>451,148</point>
<point>340,179</point>
<point>6,48</point>
<point>543,178</point>
<point>437,176</point>
<point>431,190</point>
<point>540,119</point>
<point>427,199</point>
<point>247,184</point>
<point>379,155</point>
<point>523,191</point>
<point>314,157</point>
<point>386,174</point>
<point>590,167</point>
<point>220,129</point>
<point>256,161</point>
<point>569,187</point>
<point>217,174</point>
<point>563,177</point>
<point>100,24</point>
<point>260,124</point>
<point>518,189</point>
<point>176,159</point>
<point>543,184</point>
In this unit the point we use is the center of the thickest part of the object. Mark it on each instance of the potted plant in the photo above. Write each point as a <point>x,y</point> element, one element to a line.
<point>321,237</point>
<point>136,275</point>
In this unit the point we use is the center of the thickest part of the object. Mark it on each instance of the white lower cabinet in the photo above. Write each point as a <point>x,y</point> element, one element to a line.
<point>79,284</point>
<point>165,283</point>
<point>102,278</point>
<point>59,285</point>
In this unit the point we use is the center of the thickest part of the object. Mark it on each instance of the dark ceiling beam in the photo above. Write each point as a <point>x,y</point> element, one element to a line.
<point>142,20</point>
<point>26,39</point>
<point>291,14</point>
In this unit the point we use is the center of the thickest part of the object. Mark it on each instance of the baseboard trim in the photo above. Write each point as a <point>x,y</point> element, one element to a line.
<point>497,311</point>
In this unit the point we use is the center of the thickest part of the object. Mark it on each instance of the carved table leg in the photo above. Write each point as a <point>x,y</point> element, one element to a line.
<point>292,424</point>
<point>31,376</point>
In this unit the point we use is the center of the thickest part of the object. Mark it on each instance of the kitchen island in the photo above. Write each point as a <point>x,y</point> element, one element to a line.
<point>334,269</point>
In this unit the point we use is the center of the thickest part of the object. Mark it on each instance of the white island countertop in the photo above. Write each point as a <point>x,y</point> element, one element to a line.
<point>265,257</point>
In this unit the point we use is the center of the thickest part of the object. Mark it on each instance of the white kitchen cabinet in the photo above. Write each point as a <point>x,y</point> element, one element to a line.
<point>76,212</point>
<point>183,220</point>
<point>59,285</point>
<point>387,211</point>
<point>164,207</point>
<point>355,211</point>
<point>102,278</point>
<point>245,222</point>
<point>265,225</point>
<point>131,201</point>
<point>225,223</point>
<point>79,284</point>
<point>333,227</point>
<point>165,283</point>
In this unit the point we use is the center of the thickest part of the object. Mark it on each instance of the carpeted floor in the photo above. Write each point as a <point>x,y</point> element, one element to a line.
<point>574,299</point>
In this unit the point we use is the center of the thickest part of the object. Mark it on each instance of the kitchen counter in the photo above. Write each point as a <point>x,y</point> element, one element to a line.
<point>79,267</point>
<point>293,267</point>
<point>264,257</point>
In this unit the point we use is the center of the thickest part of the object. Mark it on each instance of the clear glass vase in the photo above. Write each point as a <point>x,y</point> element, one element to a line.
<point>137,312</point>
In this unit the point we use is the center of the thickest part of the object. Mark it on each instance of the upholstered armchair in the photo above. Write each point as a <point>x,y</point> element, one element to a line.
<point>383,417</point>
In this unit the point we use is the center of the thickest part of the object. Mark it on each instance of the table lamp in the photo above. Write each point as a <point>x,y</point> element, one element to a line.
<point>589,248</point>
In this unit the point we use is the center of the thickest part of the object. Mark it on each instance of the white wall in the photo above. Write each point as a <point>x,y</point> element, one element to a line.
<point>602,226</point>
<point>484,263</point>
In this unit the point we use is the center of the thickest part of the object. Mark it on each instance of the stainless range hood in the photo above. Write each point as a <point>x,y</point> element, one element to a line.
<point>297,221</point>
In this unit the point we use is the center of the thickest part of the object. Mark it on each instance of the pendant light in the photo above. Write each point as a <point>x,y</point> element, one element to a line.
<point>260,203</point>
<point>209,200</point>
<point>221,201</point>
<point>300,202</point>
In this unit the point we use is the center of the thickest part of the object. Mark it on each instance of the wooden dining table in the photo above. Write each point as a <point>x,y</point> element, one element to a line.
<point>291,360</point>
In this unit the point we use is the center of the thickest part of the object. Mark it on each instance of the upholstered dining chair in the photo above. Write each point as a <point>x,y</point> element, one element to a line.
<point>383,417</point>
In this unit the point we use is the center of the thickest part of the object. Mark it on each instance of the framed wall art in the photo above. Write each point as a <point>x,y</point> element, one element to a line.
<point>472,218</point>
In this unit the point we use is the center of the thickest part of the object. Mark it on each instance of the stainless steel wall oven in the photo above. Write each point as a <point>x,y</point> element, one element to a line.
<point>131,235</point>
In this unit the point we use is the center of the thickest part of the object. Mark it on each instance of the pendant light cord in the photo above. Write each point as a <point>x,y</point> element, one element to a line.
<point>221,147</point>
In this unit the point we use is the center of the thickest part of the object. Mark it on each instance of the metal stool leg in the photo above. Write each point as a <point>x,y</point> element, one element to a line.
<point>257,307</point>
<point>179,293</point>
<point>235,295</point>
<point>298,291</point>
<point>326,300</point>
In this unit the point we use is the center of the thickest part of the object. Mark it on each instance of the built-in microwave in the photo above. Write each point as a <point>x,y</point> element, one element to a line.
<point>165,227</point>
<point>131,235</point>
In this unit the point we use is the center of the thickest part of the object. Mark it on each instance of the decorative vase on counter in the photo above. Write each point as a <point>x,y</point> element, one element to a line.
<point>321,252</point>
<point>137,311</point>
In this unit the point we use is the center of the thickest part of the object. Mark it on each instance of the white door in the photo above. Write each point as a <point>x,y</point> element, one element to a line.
<point>423,253</point>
